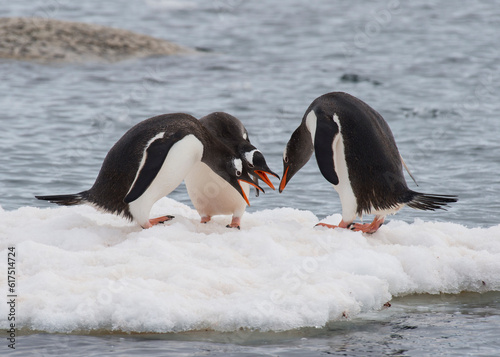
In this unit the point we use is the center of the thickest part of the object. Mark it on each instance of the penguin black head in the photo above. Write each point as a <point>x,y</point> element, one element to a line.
<point>297,153</point>
<point>234,173</point>
<point>255,163</point>
<point>315,133</point>
<point>231,131</point>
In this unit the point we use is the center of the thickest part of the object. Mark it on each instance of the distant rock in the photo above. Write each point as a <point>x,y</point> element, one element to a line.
<point>356,78</point>
<point>49,40</point>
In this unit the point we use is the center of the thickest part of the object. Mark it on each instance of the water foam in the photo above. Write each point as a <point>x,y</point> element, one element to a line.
<point>79,269</point>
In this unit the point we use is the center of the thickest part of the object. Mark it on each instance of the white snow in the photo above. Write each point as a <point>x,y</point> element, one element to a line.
<point>79,269</point>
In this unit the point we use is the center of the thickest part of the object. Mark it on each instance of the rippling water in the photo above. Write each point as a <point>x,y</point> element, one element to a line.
<point>430,68</point>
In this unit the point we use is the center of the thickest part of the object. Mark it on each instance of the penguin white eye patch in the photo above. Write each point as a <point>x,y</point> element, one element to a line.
<point>249,156</point>
<point>238,165</point>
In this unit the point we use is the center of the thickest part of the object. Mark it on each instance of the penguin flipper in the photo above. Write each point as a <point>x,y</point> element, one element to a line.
<point>325,134</point>
<point>156,154</point>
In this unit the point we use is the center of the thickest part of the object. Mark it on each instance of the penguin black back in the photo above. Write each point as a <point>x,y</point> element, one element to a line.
<point>122,162</point>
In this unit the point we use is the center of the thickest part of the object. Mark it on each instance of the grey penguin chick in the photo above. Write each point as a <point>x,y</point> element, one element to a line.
<point>209,194</point>
<point>356,152</point>
<point>149,161</point>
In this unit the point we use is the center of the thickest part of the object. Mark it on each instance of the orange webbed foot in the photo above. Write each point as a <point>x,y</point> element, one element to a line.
<point>332,226</point>
<point>158,220</point>
<point>235,223</point>
<point>342,224</point>
<point>369,228</point>
<point>205,219</point>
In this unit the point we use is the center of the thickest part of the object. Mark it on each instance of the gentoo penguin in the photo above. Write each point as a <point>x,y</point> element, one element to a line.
<point>212,196</point>
<point>150,161</point>
<point>356,152</point>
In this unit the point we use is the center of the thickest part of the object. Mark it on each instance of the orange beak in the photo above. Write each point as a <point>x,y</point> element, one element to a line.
<point>243,191</point>
<point>263,176</point>
<point>283,180</point>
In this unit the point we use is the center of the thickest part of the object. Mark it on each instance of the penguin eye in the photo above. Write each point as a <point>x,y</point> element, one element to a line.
<point>238,173</point>
<point>285,159</point>
<point>250,165</point>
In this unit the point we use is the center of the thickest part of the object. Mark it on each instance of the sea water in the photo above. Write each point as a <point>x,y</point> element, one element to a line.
<point>93,284</point>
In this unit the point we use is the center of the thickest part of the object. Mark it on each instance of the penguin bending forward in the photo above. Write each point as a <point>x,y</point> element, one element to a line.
<point>150,161</point>
<point>356,152</point>
<point>210,194</point>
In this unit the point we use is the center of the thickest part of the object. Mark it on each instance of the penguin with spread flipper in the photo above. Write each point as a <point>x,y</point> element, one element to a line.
<point>356,152</point>
<point>150,160</point>
<point>209,194</point>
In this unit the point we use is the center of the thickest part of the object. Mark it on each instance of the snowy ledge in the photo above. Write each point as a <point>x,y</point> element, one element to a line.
<point>56,41</point>
<point>82,270</point>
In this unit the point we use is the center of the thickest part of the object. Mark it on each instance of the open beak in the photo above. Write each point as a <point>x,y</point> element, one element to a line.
<point>250,182</point>
<point>263,176</point>
<point>284,180</point>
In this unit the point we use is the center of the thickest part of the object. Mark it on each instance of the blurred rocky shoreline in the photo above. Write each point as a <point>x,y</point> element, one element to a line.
<point>56,41</point>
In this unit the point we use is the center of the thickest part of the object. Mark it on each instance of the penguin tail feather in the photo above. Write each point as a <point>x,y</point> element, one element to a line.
<point>65,200</point>
<point>427,202</point>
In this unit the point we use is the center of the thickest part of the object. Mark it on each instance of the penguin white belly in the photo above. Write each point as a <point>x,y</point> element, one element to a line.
<point>211,195</point>
<point>344,188</point>
<point>181,158</point>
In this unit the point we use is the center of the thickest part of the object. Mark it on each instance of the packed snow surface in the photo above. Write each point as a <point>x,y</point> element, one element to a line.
<point>78,269</point>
